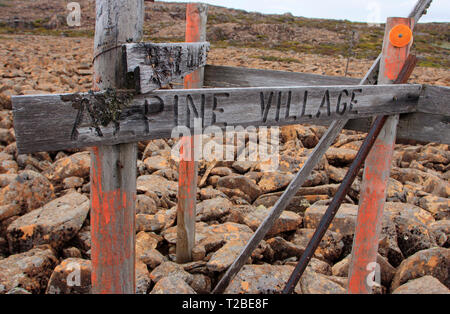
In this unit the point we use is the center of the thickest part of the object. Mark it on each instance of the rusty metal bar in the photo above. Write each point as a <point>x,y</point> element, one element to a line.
<point>344,187</point>
<point>335,204</point>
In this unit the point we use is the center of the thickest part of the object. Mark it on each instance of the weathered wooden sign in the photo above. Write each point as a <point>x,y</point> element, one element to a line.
<point>155,65</point>
<point>431,122</point>
<point>54,122</point>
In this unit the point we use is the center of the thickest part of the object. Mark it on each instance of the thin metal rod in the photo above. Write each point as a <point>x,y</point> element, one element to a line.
<point>335,204</point>
<point>345,185</point>
<point>325,142</point>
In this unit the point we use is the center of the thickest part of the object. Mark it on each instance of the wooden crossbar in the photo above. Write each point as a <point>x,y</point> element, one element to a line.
<point>53,122</point>
<point>429,124</point>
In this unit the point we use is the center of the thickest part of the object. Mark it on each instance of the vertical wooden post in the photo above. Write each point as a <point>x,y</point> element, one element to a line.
<point>196,17</point>
<point>377,168</point>
<point>113,168</point>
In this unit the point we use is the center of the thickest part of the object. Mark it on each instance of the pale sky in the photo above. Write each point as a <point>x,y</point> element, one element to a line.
<point>372,11</point>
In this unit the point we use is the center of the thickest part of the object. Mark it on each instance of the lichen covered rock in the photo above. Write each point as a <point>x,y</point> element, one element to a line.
<point>434,262</point>
<point>30,270</point>
<point>55,223</point>
<point>72,276</point>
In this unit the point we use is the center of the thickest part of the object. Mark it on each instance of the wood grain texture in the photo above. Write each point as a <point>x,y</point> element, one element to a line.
<point>155,115</point>
<point>113,190</point>
<point>432,102</point>
<point>155,65</point>
<point>376,174</point>
<point>117,22</point>
<point>435,100</point>
<point>421,127</point>
<point>224,76</point>
<point>420,9</point>
<point>113,168</point>
<point>196,19</point>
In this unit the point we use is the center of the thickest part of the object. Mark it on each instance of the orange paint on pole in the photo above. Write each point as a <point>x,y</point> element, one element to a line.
<point>194,23</point>
<point>111,251</point>
<point>187,182</point>
<point>195,32</point>
<point>377,167</point>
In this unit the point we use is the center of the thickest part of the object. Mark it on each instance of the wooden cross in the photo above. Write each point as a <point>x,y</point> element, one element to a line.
<point>126,106</point>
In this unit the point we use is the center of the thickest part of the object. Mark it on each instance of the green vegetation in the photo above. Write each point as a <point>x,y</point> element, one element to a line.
<point>3,3</point>
<point>254,30</point>
<point>163,39</point>
<point>434,62</point>
<point>277,59</point>
<point>48,32</point>
<point>445,45</point>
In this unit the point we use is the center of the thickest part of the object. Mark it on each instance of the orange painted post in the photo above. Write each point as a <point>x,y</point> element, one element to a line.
<point>396,46</point>
<point>113,168</point>
<point>113,192</point>
<point>196,16</point>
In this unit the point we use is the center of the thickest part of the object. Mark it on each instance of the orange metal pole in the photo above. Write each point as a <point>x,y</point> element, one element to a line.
<point>187,184</point>
<point>396,46</point>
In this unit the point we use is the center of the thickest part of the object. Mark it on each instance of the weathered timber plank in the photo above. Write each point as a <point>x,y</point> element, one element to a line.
<point>224,76</point>
<point>418,126</point>
<point>420,9</point>
<point>196,19</point>
<point>435,100</point>
<point>424,128</point>
<point>113,168</point>
<point>377,169</point>
<point>76,123</point>
<point>431,122</point>
<point>156,65</point>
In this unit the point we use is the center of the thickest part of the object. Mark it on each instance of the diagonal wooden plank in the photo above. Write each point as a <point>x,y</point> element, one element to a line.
<point>320,149</point>
<point>344,187</point>
<point>155,65</point>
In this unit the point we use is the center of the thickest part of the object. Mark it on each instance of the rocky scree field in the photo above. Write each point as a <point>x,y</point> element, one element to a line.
<point>44,197</point>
